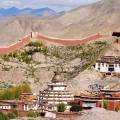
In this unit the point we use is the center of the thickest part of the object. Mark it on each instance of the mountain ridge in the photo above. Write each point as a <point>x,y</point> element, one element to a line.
<point>13,11</point>
<point>102,16</point>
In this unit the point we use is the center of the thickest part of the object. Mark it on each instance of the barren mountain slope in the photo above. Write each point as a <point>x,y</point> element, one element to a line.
<point>36,62</point>
<point>102,16</point>
<point>17,27</point>
<point>98,17</point>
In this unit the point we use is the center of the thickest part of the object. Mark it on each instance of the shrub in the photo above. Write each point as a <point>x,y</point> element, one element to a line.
<point>61,107</point>
<point>117,108</point>
<point>3,116</point>
<point>11,115</point>
<point>71,103</point>
<point>105,104</point>
<point>14,92</point>
<point>32,114</point>
<point>75,108</point>
<point>15,112</point>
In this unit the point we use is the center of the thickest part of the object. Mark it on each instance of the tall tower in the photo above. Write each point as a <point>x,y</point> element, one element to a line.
<point>55,94</point>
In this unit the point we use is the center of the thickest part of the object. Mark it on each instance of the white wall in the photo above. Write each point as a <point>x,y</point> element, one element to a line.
<point>50,115</point>
<point>58,88</point>
<point>117,68</point>
<point>26,108</point>
<point>57,102</point>
<point>103,67</point>
<point>5,107</point>
<point>84,104</point>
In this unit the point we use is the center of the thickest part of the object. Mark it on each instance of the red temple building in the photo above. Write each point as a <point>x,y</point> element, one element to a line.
<point>109,96</point>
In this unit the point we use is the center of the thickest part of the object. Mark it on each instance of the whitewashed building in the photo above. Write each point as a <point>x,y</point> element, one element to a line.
<point>55,94</point>
<point>108,64</point>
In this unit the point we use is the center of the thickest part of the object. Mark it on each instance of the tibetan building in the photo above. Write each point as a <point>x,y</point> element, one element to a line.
<point>108,65</point>
<point>55,94</point>
<point>108,98</point>
<point>27,102</point>
<point>88,101</point>
<point>30,101</point>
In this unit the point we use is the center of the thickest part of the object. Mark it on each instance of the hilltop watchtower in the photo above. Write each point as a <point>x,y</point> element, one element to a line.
<point>33,36</point>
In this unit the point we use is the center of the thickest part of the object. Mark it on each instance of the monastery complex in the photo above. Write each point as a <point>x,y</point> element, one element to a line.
<point>57,91</point>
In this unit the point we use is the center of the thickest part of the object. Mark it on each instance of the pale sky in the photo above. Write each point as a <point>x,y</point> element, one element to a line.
<point>57,5</point>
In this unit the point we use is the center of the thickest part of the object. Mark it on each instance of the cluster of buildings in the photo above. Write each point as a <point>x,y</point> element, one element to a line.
<point>27,102</point>
<point>47,100</point>
<point>57,93</point>
<point>108,98</point>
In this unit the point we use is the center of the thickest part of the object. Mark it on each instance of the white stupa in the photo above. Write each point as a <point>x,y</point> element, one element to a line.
<point>55,94</point>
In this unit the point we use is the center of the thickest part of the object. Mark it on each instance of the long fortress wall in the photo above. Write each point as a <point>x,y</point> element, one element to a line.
<point>39,37</point>
<point>69,42</point>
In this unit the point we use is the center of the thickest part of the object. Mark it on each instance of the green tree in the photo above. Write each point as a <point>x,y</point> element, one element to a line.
<point>15,112</point>
<point>61,107</point>
<point>3,116</point>
<point>17,91</point>
<point>26,88</point>
<point>76,108</point>
<point>8,94</point>
<point>32,114</point>
<point>14,92</point>
<point>117,108</point>
<point>11,115</point>
<point>105,104</point>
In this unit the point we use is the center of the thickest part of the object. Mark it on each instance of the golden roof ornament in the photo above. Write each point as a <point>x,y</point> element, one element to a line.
<point>57,77</point>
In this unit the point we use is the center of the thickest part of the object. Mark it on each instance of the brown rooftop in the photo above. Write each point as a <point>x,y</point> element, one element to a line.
<point>27,94</point>
<point>110,90</point>
<point>109,59</point>
<point>6,102</point>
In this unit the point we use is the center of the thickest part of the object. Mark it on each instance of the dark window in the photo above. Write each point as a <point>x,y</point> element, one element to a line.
<point>117,34</point>
<point>14,106</point>
<point>111,65</point>
<point>111,69</point>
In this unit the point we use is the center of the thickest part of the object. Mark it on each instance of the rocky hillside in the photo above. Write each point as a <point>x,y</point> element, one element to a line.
<point>36,63</point>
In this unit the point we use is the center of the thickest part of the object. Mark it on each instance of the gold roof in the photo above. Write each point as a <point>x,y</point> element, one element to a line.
<point>57,77</point>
